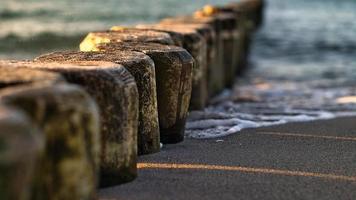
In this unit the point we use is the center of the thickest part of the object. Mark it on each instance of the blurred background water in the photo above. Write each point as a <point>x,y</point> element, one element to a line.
<point>303,38</point>
<point>30,27</point>
<point>308,39</point>
<point>303,60</point>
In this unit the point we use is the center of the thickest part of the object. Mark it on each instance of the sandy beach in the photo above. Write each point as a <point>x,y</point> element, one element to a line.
<point>313,160</point>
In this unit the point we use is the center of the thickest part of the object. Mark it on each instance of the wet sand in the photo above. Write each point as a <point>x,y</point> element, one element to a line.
<point>310,160</point>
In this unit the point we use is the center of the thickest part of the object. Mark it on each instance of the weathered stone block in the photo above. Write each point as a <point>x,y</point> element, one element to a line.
<point>68,117</point>
<point>115,91</point>
<point>252,9</point>
<point>143,69</point>
<point>21,144</point>
<point>208,33</point>
<point>216,73</point>
<point>173,67</point>
<point>19,76</point>
<point>244,34</point>
<point>196,45</point>
<point>229,37</point>
<point>122,34</point>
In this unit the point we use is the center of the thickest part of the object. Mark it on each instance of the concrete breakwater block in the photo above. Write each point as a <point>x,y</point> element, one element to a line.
<point>241,47</point>
<point>209,35</point>
<point>230,38</point>
<point>142,69</point>
<point>174,66</point>
<point>21,144</point>
<point>216,81</point>
<point>252,9</point>
<point>19,76</point>
<point>122,34</point>
<point>196,45</point>
<point>68,118</point>
<point>245,28</point>
<point>114,90</point>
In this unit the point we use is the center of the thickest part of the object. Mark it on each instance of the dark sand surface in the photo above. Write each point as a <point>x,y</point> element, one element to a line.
<point>313,160</point>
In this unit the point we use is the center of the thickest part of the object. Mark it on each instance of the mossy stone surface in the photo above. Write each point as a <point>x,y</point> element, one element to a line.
<point>114,90</point>
<point>68,118</point>
<point>143,70</point>
<point>196,45</point>
<point>252,9</point>
<point>21,144</point>
<point>230,42</point>
<point>245,29</point>
<point>216,74</point>
<point>9,76</point>
<point>123,35</point>
<point>174,66</point>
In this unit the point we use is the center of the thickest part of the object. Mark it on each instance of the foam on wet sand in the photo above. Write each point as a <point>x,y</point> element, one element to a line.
<point>256,102</point>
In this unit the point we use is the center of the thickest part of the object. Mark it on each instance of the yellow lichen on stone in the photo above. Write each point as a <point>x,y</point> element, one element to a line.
<point>91,41</point>
<point>209,10</point>
<point>206,11</point>
<point>118,28</point>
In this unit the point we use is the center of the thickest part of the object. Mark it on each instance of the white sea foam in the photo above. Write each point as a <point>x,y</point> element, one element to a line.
<point>267,103</point>
<point>307,76</point>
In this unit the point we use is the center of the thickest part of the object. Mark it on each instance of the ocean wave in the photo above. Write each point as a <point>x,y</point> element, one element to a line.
<point>270,44</point>
<point>8,14</point>
<point>41,41</point>
<point>271,102</point>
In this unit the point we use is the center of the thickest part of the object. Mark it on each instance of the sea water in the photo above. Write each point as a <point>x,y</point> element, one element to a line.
<point>31,27</point>
<point>303,69</point>
<point>303,62</point>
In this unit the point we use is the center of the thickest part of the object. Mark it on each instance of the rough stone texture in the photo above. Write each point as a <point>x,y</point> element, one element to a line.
<point>142,68</point>
<point>173,67</point>
<point>243,48</point>
<point>17,164</point>
<point>253,9</point>
<point>216,81</point>
<point>12,77</point>
<point>115,91</point>
<point>68,117</point>
<point>245,30</point>
<point>196,45</point>
<point>208,33</point>
<point>249,14</point>
<point>230,38</point>
<point>121,34</point>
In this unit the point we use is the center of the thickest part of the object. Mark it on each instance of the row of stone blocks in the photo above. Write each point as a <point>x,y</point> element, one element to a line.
<point>66,117</point>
